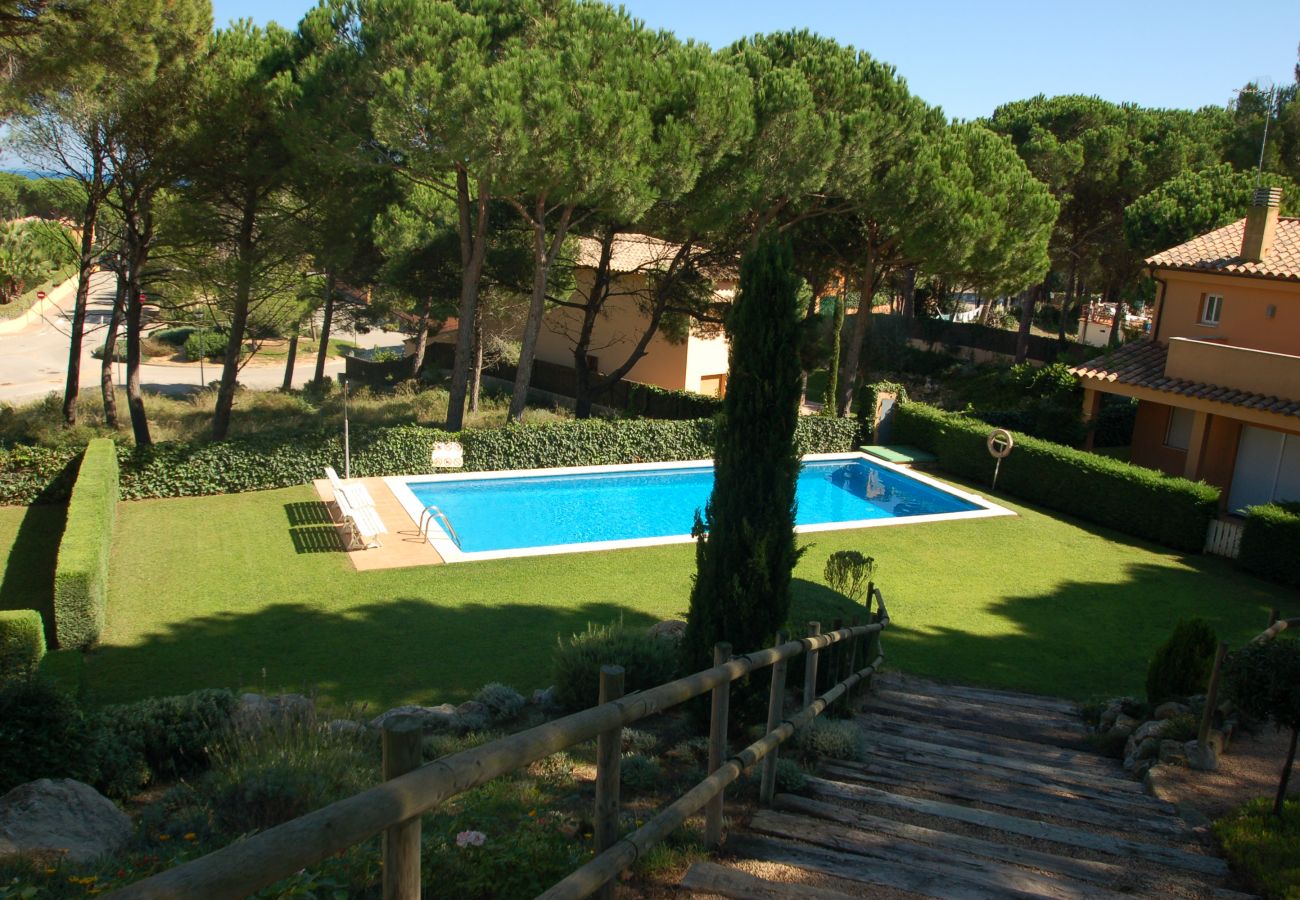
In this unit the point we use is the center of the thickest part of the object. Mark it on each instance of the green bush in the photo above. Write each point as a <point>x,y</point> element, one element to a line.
<point>43,734</point>
<point>790,777</point>
<point>867,406</point>
<point>647,662</point>
<point>206,344</point>
<point>177,335</point>
<point>81,573</point>
<point>639,773</point>
<point>175,736</point>
<point>1181,666</point>
<point>1270,542</point>
<point>848,572</point>
<point>1128,498</point>
<point>502,701</point>
<point>22,643</point>
<point>833,739</point>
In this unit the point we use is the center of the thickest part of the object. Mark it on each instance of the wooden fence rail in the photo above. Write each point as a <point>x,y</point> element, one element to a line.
<point>393,808</point>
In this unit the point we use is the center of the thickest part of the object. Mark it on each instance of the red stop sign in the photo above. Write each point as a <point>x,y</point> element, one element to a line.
<point>40,295</point>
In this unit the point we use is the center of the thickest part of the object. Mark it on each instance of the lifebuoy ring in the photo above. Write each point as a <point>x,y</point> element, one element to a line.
<point>1000,443</point>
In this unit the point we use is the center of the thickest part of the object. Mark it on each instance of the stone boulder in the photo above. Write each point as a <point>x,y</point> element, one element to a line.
<point>1171,708</point>
<point>58,815</point>
<point>431,718</point>
<point>344,727</point>
<point>259,712</point>
<point>1202,759</point>
<point>1172,753</point>
<point>1152,729</point>
<point>669,630</point>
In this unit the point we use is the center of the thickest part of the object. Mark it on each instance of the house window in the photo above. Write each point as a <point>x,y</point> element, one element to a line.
<point>1211,309</point>
<point>1179,435</point>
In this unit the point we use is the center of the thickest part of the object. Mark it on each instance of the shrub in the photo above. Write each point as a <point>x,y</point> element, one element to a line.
<point>789,777</point>
<point>848,572</point>
<point>22,643</point>
<point>502,701</point>
<point>1128,498</point>
<point>206,344</point>
<point>1270,542</point>
<point>833,739</point>
<point>646,661</point>
<point>1262,680</point>
<point>175,736</point>
<point>81,573</point>
<point>1181,667</point>
<point>176,335</point>
<point>259,781</point>
<point>867,406</point>
<point>638,741</point>
<point>639,773</point>
<point>43,734</point>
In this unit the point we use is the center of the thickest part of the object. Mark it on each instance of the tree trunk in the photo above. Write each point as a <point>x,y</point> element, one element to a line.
<point>238,323</point>
<point>1067,304</point>
<point>1286,774</point>
<point>595,302</point>
<point>1027,300</point>
<point>421,342</point>
<point>476,370</point>
<point>106,385</point>
<point>134,399</point>
<point>543,256</point>
<point>89,220</point>
<point>909,293</point>
<point>849,370</point>
<point>327,317</point>
<point>288,365</point>
<point>473,249</point>
<point>1118,323</point>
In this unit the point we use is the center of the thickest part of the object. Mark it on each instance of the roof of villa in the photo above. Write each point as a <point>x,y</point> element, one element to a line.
<point>1142,364</point>
<point>1219,251</point>
<point>637,253</point>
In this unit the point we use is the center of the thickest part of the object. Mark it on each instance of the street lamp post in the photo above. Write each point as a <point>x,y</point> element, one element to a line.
<point>347,450</point>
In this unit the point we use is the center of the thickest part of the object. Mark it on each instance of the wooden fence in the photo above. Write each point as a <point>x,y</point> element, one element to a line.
<point>394,807</point>
<point>1276,626</point>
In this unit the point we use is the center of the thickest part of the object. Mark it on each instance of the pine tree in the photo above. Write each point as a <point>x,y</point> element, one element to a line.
<point>745,548</point>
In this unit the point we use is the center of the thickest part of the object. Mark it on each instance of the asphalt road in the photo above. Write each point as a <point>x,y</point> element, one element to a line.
<point>33,361</point>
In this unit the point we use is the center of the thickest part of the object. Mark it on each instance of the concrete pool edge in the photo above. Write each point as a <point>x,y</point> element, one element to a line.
<point>450,553</point>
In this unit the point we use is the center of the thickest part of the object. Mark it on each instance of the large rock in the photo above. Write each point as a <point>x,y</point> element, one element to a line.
<point>431,718</point>
<point>61,816</point>
<point>258,712</point>
<point>669,629</point>
<point>1152,729</point>
<point>1203,759</point>
<point>1171,753</point>
<point>1128,723</point>
<point>1171,708</point>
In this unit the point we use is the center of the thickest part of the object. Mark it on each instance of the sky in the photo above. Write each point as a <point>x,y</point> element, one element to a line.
<point>969,56</point>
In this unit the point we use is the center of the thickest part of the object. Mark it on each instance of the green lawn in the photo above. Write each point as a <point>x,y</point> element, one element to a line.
<point>232,591</point>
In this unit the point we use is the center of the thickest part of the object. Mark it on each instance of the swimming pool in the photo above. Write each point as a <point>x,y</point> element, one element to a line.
<point>542,511</point>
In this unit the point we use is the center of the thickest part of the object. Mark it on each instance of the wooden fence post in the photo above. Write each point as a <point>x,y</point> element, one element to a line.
<point>775,709</point>
<point>402,737</point>
<point>717,747</point>
<point>852,666</point>
<point>831,671</point>
<point>1273,615</point>
<point>1211,697</point>
<point>609,756</point>
<point>810,667</point>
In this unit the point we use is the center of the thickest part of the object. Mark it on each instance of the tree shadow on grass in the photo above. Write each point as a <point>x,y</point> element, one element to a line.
<point>28,581</point>
<point>1083,640</point>
<point>382,654</point>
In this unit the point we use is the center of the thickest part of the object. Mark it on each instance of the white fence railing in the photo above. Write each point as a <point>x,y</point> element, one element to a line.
<point>1223,538</point>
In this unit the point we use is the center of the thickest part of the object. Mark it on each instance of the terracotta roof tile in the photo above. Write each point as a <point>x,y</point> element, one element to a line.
<point>1220,251</point>
<point>1142,364</point>
<point>631,253</point>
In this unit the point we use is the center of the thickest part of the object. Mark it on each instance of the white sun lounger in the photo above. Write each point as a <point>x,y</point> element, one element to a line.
<point>363,524</point>
<point>357,494</point>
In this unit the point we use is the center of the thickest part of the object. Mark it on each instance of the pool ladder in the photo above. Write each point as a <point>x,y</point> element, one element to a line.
<point>431,514</point>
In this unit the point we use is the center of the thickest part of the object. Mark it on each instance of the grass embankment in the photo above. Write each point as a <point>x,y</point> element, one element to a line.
<point>1263,847</point>
<point>189,418</point>
<point>28,299</point>
<point>234,591</point>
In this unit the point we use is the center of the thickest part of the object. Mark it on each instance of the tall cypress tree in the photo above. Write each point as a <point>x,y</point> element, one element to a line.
<point>745,549</point>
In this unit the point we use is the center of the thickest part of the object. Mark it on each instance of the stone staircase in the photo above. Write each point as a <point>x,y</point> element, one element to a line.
<point>966,793</point>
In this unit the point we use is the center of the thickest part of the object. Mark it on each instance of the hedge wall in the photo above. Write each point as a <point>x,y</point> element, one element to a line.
<point>22,643</point>
<point>1270,542</point>
<point>81,573</point>
<point>280,460</point>
<point>1128,498</point>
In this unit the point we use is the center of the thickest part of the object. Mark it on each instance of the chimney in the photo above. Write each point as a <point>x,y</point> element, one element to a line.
<point>1261,224</point>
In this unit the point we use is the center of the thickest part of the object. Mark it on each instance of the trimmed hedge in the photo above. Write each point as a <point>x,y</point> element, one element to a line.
<point>276,460</point>
<point>1270,542</point>
<point>1119,495</point>
<point>81,573</point>
<point>22,643</point>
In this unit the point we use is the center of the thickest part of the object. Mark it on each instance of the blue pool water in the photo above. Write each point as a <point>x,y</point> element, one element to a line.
<point>543,511</point>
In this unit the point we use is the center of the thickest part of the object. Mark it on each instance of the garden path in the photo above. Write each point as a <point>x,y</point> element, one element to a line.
<point>967,793</point>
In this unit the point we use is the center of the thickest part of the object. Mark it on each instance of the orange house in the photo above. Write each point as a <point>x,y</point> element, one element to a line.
<point>1218,382</point>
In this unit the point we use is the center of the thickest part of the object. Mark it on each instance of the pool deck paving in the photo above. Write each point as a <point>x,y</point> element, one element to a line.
<point>401,547</point>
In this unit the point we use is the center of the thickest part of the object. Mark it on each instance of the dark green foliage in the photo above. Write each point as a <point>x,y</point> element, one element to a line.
<point>176,336</point>
<point>206,344</point>
<point>867,406</point>
<point>275,460</point>
<point>502,701</point>
<point>81,574</point>
<point>43,734</point>
<point>22,643</point>
<point>1128,498</point>
<point>1270,542</point>
<point>1181,667</point>
<point>640,773</point>
<point>745,549</point>
<point>647,661</point>
<point>1114,424</point>
<point>173,735</point>
<point>848,572</point>
<point>1263,680</point>
<point>1264,846</point>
